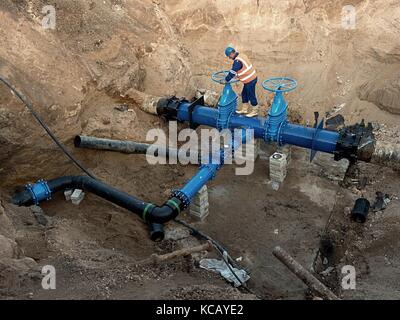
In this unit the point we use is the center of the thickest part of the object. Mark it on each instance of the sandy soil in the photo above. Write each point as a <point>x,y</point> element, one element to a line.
<point>103,54</point>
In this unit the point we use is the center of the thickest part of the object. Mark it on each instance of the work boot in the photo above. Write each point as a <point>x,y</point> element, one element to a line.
<point>244,109</point>
<point>253,112</point>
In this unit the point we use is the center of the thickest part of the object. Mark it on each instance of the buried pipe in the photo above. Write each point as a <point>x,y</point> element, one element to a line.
<point>386,153</point>
<point>304,275</point>
<point>43,190</point>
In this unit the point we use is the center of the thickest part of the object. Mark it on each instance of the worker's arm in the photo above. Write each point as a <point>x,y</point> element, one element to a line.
<point>237,65</point>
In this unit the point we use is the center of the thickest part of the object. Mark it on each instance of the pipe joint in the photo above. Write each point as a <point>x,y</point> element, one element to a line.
<point>39,191</point>
<point>169,107</point>
<point>356,142</point>
<point>169,211</point>
<point>183,198</point>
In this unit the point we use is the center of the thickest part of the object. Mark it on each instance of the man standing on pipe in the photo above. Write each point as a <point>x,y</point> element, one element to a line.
<point>243,70</point>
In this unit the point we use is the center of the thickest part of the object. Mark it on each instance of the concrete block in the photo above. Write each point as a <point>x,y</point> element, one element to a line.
<point>68,194</point>
<point>201,213</point>
<point>77,196</point>
<point>278,167</point>
<point>201,199</point>
<point>287,151</point>
<point>199,206</point>
<point>203,190</point>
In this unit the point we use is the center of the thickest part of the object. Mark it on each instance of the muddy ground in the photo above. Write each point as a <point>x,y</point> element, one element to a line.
<point>104,54</point>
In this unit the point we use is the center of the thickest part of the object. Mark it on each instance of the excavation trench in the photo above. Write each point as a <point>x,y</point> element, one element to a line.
<point>135,57</point>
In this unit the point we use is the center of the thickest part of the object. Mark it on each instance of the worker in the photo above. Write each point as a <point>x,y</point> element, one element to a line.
<point>243,70</point>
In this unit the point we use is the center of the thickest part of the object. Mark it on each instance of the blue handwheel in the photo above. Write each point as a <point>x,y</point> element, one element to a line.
<point>219,77</point>
<point>279,84</point>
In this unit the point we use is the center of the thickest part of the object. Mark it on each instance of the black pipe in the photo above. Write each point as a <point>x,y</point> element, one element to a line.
<point>157,232</point>
<point>147,211</point>
<point>360,210</point>
<point>115,145</point>
<point>132,147</point>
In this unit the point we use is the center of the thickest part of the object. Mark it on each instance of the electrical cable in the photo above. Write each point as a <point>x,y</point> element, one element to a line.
<point>221,251</point>
<point>28,105</point>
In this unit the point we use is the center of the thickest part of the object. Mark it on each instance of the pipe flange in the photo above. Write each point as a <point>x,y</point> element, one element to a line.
<point>356,142</point>
<point>29,187</point>
<point>46,189</point>
<point>185,200</point>
<point>280,136</point>
<point>267,127</point>
<point>168,107</point>
<point>40,191</point>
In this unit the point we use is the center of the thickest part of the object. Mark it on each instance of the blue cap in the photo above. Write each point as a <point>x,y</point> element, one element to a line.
<point>229,50</point>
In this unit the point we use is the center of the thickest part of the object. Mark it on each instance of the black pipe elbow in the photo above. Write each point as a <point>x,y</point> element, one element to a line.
<point>169,211</point>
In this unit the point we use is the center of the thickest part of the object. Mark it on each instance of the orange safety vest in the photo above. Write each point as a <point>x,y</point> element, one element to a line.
<point>247,73</point>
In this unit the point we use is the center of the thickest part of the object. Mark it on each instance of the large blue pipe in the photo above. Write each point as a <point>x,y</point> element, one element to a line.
<point>203,175</point>
<point>309,138</point>
<point>208,171</point>
<point>305,137</point>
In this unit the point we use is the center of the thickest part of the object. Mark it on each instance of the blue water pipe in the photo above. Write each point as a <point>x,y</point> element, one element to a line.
<point>349,143</point>
<point>288,134</point>
<point>274,128</point>
<point>207,172</point>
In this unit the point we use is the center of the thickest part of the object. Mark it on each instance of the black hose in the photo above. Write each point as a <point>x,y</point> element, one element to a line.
<point>221,251</point>
<point>28,104</point>
<point>147,211</point>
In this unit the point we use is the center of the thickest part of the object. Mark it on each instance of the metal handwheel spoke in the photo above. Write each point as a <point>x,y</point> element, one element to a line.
<point>279,84</point>
<point>219,77</point>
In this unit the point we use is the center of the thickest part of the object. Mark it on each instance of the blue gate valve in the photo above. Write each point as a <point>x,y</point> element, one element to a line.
<point>227,103</point>
<point>277,115</point>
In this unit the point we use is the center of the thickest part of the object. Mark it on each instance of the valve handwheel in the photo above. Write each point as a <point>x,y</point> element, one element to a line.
<point>280,84</point>
<point>219,77</point>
